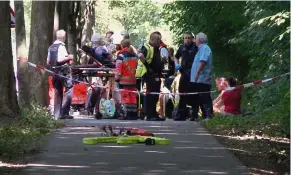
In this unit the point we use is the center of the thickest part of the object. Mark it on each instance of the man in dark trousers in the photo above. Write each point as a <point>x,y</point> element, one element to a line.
<point>58,56</point>
<point>187,51</point>
<point>150,69</point>
<point>201,77</point>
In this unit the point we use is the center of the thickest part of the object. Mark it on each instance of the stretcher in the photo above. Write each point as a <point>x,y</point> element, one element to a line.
<point>95,68</point>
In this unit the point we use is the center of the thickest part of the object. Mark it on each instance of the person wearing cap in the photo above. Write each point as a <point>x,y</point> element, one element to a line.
<point>58,56</point>
<point>186,52</point>
<point>201,76</point>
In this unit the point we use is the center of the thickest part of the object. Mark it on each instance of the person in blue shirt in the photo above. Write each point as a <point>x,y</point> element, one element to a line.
<point>201,76</point>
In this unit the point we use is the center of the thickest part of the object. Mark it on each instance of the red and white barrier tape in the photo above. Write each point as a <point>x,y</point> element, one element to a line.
<point>255,83</point>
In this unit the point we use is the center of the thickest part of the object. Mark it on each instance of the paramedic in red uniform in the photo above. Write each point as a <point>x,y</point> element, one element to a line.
<point>126,68</point>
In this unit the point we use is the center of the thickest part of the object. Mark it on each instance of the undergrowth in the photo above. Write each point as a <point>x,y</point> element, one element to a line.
<point>250,125</point>
<point>261,152</point>
<point>27,133</point>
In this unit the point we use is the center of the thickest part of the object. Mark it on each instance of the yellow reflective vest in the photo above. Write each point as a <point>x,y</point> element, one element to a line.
<point>141,68</point>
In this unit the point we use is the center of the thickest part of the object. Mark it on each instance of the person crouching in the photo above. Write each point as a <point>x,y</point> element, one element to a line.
<point>126,64</point>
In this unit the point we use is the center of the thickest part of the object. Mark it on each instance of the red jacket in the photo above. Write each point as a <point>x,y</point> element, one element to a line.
<point>126,66</point>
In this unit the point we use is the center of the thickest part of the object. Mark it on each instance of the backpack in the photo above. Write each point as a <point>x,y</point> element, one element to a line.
<point>107,108</point>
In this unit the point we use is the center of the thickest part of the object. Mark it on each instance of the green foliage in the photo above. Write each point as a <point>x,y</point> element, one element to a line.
<point>250,41</point>
<point>137,17</point>
<point>27,134</point>
<point>219,22</point>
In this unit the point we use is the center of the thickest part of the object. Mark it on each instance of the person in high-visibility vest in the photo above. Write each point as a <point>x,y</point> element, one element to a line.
<point>150,69</point>
<point>125,75</point>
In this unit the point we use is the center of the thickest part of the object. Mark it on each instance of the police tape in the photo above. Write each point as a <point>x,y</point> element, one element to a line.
<point>247,85</point>
<point>257,83</point>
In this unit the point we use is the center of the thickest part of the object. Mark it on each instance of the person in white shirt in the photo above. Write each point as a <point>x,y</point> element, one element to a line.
<point>58,56</point>
<point>109,45</point>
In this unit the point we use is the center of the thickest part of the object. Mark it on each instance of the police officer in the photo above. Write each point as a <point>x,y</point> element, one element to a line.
<point>58,56</point>
<point>187,51</point>
<point>150,69</point>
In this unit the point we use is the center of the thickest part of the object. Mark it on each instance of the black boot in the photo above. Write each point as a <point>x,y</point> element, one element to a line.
<point>98,115</point>
<point>194,114</point>
<point>179,114</point>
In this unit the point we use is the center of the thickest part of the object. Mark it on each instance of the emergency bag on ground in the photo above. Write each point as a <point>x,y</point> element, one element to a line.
<point>107,108</point>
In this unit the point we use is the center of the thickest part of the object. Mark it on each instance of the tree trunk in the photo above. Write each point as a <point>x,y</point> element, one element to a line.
<point>85,24</point>
<point>56,20</point>
<point>74,9</point>
<point>89,20</point>
<point>41,37</point>
<point>8,98</point>
<point>22,53</point>
<point>61,16</point>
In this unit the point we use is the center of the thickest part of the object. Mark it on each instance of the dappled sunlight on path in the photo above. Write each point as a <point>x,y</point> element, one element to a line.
<point>192,151</point>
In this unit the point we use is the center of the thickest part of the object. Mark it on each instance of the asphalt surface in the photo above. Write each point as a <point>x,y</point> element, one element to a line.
<point>192,151</point>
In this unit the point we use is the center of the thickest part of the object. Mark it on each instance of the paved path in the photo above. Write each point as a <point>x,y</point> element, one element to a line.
<point>192,151</point>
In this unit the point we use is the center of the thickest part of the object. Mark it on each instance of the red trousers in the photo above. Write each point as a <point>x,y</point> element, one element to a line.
<point>128,97</point>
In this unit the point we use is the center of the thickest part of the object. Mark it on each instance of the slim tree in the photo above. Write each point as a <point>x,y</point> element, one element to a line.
<point>23,89</point>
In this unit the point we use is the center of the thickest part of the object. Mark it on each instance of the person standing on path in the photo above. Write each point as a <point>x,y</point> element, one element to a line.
<point>125,76</point>
<point>58,56</point>
<point>150,69</point>
<point>201,76</point>
<point>187,51</point>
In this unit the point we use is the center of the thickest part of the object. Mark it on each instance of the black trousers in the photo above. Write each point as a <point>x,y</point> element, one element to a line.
<point>203,99</point>
<point>186,87</point>
<point>153,85</point>
<point>168,82</point>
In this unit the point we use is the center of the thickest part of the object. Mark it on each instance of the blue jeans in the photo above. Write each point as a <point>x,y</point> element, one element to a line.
<point>65,110</point>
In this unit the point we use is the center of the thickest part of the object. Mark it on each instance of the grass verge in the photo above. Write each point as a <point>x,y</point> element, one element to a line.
<point>262,145</point>
<point>26,134</point>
